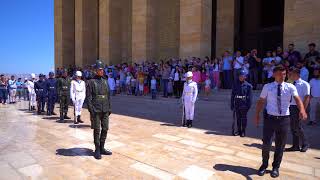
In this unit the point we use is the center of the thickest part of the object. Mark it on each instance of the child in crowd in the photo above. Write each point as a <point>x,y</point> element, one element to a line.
<point>170,87</point>
<point>246,66</point>
<point>128,83</point>
<point>118,85</point>
<point>216,74</point>
<point>145,86</point>
<point>207,86</point>
<point>153,87</point>
<point>133,84</point>
<point>140,83</point>
<point>112,84</point>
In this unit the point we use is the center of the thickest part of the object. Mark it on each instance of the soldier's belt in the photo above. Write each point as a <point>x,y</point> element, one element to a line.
<point>240,97</point>
<point>101,97</point>
<point>39,89</point>
<point>64,87</point>
<point>51,87</point>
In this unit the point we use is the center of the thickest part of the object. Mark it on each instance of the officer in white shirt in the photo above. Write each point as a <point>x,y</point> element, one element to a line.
<point>189,97</point>
<point>238,64</point>
<point>78,95</point>
<point>315,96</point>
<point>32,92</point>
<point>303,89</point>
<point>277,95</point>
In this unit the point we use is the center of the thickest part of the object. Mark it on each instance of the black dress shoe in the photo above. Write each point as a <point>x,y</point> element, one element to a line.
<point>53,113</point>
<point>262,170</point>
<point>305,148</point>
<point>292,149</point>
<point>274,173</point>
<point>243,134</point>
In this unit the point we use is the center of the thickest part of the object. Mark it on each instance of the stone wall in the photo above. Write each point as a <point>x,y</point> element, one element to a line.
<point>301,23</point>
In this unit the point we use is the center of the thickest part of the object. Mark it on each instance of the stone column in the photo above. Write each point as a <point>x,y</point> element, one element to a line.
<point>195,28</point>
<point>139,30</point>
<point>86,34</point>
<point>225,26</point>
<point>301,24</point>
<point>64,33</point>
<point>104,31</point>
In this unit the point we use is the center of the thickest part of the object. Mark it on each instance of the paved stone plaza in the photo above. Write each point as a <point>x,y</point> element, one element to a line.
<point>147,143</point>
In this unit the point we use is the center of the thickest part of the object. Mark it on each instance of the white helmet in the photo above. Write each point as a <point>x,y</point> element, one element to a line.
<point>189,74</point>
<point>79,73</point>
<point>33,76</point>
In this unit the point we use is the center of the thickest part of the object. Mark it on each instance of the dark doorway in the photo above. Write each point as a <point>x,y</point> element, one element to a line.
<point>213,28</point>
<point>259,24</point>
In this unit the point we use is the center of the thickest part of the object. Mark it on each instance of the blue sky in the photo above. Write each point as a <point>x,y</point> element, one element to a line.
<point>26,36</point>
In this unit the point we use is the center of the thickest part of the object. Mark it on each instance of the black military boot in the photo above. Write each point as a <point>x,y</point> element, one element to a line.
<point>97,153</point>
<point>79,119</point>
<point>53,113</point>
<point>66,117</point>
<point>96,138</point>
<point>189,123</point>
<point>61,120</point>
<point>243,133</point>
<point>102,142</point>
<point>75,121</point>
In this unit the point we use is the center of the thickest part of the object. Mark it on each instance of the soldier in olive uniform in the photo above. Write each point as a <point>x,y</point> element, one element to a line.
<point>98,99</point>
<point>63,88</point>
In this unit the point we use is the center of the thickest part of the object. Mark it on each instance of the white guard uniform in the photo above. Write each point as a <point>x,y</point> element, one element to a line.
<point>78,94</point>
<point>32,92</point>
<point>189,97</point>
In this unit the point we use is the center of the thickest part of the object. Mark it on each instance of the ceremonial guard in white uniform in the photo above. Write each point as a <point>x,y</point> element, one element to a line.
<point>32,92</point>
<point>78,95</point>
<point>189,97</point>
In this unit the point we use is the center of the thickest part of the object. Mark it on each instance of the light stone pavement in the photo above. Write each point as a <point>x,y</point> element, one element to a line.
<point>147,143</point>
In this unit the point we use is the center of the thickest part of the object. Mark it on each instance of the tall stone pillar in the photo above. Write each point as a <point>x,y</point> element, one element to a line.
<point>104,31</point>
<point>86,34</point>
<point>195,28</point>
<point>64,33</point>
<point>301,24</point>
<point>225,26</point>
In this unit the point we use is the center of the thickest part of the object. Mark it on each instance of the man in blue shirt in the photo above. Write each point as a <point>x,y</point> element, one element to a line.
<point>227,70</point>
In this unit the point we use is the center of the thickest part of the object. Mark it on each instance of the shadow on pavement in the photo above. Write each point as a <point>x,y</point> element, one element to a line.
<point>244,171</point>
<point>79,126</point>
<point>65,121</point>
<point>75,152</point>
<point>51,118</point>
<point>170,125</point>
<point>256,145</point>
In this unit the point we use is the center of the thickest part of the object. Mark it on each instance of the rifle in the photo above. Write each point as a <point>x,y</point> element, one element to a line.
<point>234,119</point>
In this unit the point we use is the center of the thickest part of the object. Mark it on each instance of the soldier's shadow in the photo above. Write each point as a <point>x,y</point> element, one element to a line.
<point>79,126</point>
<point>75,152</point>
<point>244,171</point>
<point>51,118</point>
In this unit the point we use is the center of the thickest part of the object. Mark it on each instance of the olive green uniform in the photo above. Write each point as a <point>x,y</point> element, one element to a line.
<point>63,88</point>
<point>98,100</point>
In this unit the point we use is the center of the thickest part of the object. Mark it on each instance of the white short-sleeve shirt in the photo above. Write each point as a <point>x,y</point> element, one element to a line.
<point>269,92</point>
<point>303,89</point>
<point>315,87</point>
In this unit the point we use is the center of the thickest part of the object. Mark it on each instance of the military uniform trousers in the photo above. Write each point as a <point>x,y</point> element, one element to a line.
<point>64,104</point>
<point>100,121</point>
<point>241,114</point>
<point>296,127</point>
<point>41,102</point>
<point>51,102</point>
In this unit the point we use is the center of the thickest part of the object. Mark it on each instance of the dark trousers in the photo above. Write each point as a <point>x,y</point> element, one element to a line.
<point>176,88</point>
<point>165,87</point>
<point>41,101</point>
<point>51,101</point>
<point>3,95</point>
<point>153,93</point>
<point>241,119</point>
<point>296,128</point>
<point>280,127</point>
<point>227,79</point>
<point>253,77</point>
